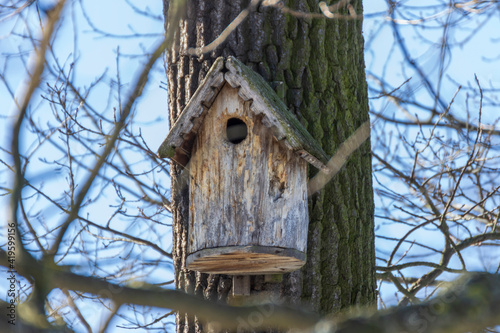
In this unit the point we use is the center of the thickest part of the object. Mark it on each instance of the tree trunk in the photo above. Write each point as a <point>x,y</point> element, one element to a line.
<point>317,67</point>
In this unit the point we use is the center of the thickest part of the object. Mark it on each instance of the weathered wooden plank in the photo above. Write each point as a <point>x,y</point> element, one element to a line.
<point>246,260</point>
<point>313,160</point>
<point>204,95</point>
<point>250,193</point>
<point>241,285</point>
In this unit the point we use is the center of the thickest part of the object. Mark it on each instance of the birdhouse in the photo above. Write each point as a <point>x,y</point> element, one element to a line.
<point>247,157</point>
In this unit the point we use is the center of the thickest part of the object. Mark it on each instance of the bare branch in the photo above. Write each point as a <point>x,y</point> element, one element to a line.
<point>136,93</point>
<point>226,32</point>
<point>338,160</point>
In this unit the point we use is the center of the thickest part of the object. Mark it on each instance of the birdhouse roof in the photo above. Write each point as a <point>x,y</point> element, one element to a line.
<point>252,87</point>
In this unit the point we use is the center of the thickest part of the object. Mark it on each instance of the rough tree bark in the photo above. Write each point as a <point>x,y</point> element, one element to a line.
<point>317,67</point>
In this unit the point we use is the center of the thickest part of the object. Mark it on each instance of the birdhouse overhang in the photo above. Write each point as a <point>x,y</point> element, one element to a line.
<point>264,101</point>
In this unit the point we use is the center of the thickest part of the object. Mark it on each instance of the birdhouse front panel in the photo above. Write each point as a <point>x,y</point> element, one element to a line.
<point>246,191</point>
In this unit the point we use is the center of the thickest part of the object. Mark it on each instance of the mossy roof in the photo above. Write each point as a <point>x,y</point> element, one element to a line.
<point>277,117</point>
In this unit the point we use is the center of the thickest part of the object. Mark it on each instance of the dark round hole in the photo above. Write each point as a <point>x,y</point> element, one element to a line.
<point>236,130</point>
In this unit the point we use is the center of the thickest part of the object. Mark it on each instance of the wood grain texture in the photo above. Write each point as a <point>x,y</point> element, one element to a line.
<point>250,193</point>
<point>246,260</point>
<point>241,285</point>
<point>184,129</point>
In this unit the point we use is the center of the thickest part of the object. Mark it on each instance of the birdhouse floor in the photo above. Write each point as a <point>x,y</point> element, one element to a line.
<point>246,260</point>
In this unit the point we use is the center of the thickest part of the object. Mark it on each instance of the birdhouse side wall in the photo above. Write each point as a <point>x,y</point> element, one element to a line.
<point>250,193</point>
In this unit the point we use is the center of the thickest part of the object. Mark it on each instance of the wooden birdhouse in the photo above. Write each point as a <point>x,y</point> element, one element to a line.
<point>246,156</point>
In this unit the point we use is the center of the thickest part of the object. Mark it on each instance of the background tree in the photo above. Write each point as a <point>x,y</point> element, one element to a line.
<point>89,205</point>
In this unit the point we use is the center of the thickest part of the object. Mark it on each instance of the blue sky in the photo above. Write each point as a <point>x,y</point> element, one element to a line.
<point>94,53</point>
